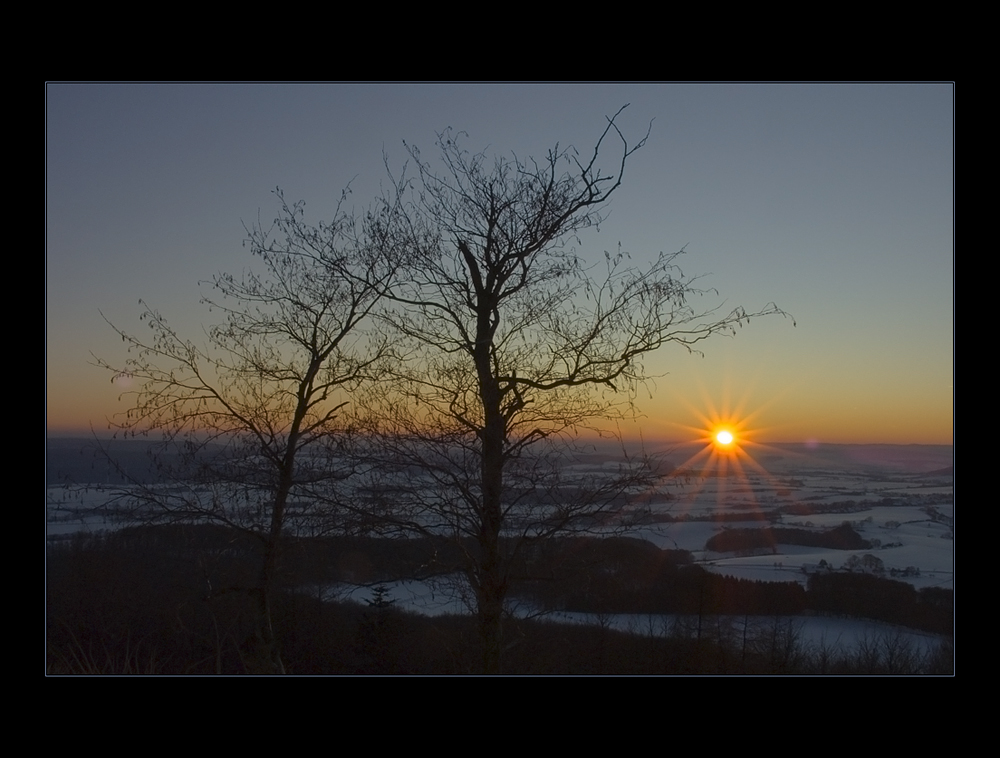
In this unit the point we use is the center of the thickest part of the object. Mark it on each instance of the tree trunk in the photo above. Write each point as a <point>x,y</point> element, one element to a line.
<point>491,588</point>
<point>269,657</point>
<point>270,654</point>
<point>491,580</point>
<point>489,601</point>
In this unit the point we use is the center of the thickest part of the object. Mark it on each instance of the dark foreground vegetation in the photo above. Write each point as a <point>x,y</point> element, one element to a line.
<point>173,600</point>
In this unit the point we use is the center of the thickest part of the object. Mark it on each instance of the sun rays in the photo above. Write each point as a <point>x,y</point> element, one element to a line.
<point>726,436</point>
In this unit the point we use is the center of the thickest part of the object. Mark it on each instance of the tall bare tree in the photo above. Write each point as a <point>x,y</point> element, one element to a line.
<point>254,415</point>
<point>510,343</point>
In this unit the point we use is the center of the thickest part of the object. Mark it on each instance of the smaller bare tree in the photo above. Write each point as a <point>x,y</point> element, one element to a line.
<point>253,417</point>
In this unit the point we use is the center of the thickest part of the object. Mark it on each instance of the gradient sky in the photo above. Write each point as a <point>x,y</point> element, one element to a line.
<point>835,201</point>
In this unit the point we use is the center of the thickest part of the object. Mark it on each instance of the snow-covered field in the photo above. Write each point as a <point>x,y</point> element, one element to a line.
<point>899,498</point>
<point>72,509</point>
<point>812,633</point>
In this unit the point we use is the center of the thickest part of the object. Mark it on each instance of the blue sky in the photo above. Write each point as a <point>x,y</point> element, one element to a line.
<point>834,200</point>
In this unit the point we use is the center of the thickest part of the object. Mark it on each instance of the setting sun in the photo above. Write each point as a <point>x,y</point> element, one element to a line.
<point>727,434</point>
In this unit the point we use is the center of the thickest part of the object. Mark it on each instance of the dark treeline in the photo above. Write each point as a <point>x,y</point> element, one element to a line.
<point>842,537</point>
<point>175,599</point>
<point>857,594</point>
<point>621,575</point>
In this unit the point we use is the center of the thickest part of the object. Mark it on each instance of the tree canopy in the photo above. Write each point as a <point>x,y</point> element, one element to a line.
<point>509,342</point>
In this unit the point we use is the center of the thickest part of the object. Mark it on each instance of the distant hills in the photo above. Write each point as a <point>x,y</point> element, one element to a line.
<point>71,460</point>
<point>788,458</point>
<point>74,460</point>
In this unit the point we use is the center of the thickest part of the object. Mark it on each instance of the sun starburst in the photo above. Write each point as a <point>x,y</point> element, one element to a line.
<point>721,460</point>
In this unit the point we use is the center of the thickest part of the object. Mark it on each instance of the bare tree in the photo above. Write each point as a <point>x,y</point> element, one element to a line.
<point>510,343</point>
<point>254,415</point>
